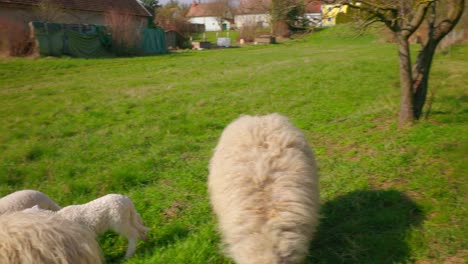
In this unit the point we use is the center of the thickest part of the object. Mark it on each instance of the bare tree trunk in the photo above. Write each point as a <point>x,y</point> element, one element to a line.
<point>421,72</point>
<point>406,116</point>
<point>403,17</point>
<point>423,63</point>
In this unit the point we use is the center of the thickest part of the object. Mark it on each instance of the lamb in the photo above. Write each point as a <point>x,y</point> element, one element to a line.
<point>28,238</point>
<point>23,199</point>
<point>264,190</point>
<point>112,211</point>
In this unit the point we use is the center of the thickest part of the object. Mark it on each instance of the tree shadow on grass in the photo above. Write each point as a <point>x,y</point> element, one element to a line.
<point>365,227</point>
<point>114,255</point>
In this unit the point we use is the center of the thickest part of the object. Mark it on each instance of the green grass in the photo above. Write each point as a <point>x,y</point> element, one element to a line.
<point>77,129</point>
<point>211,36</point>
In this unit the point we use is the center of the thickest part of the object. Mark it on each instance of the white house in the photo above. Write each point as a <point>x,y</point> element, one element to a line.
<point>209,14</point>
<point>256,14</point>
<point>313,13</point>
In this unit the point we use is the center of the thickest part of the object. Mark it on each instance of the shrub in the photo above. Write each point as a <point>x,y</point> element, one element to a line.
<point>125,32</point>
<point>15,40</point>
<point>248,32</point>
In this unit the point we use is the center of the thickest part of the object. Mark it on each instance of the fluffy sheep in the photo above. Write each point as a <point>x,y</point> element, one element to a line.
<point>264,190</point>
<point>28,238</point>
<point>112,211</point>
<point>23,199</point>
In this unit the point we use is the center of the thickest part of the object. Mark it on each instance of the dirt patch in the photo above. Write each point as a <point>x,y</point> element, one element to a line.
<point>173,211</point>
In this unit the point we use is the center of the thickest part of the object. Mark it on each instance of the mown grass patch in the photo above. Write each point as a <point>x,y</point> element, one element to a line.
<point>145,127</point>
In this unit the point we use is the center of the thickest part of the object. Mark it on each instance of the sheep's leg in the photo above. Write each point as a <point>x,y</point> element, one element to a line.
<point>132,243</point>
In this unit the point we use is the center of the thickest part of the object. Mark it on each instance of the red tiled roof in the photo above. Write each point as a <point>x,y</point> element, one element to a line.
<point>131,7</point>
<point>204,9</point>
<point>313,7</point>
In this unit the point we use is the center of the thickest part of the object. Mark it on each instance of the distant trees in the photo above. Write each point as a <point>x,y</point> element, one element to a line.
<point>403,18</point>
<point>285,14</point>
<point>151,6</point>
<point>171,16</point>
<point>124,31</point>
<point>222,10</point>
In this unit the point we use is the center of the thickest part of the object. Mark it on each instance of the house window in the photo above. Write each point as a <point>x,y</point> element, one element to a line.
<point>329,19</point>
<point>329,9</point>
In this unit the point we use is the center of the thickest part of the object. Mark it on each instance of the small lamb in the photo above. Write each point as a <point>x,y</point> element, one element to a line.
<point>23,199</point>
<point>112,211</point>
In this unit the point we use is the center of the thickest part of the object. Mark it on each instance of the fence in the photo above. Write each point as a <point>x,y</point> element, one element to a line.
<point>91,41</point>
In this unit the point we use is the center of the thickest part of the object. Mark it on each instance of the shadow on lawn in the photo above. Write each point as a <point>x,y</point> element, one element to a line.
<point>365,227</point>
<point>173,234</point>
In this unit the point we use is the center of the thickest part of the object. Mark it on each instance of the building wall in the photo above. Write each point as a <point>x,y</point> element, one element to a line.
<point>211,23</point>
<point>262,20</point>
<point>27,14</point>
<point>315,19</point>
<point>330,12</point>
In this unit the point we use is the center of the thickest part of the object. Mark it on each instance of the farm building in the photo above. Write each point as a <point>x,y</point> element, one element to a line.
<point>210,15</point>
<point>63,11</point>
<point>313,13</point>
<point>330,12</point>
<point>253,14</point>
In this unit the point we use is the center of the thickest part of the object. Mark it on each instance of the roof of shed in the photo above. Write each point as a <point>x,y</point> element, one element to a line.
<point>204,9</point>
<point>132,7</point>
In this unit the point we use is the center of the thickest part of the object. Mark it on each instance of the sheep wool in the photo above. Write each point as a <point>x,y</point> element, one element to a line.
<point>41,238</point>
<point>112,211</point>
<point>23,199</point>
<point>264,190</point>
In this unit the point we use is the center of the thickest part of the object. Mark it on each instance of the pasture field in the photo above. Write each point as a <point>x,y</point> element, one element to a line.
<point>145,127</point>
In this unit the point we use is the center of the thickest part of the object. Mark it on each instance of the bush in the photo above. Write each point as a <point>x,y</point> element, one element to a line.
<point>248,32</point>
<point>125,32</point>
<point>15,40</point>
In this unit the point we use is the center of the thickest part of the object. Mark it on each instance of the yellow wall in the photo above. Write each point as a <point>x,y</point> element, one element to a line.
<point>329,13</point>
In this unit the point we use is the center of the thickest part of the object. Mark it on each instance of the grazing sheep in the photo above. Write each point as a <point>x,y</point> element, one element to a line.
<point>263,186</point>
<point>41,238</point>
<point>112,211</point>
<point>23,199</point>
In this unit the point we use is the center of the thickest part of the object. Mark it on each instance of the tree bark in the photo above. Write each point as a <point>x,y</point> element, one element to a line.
<point>421,72</point>
<point>406,116</point>
<point>403,17</point>
<point>423,63</point>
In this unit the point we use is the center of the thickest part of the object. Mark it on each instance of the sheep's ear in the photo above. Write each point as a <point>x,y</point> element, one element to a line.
<point>36,207</point>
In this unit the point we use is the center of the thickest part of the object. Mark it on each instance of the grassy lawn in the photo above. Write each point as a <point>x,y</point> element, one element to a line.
<point>77,129</point>
<point>211,36</point>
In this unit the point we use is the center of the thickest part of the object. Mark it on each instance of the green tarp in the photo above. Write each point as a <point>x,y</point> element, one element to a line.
<point>50,38</point>
<point>153,41</point>
<point>85,45</point>
<point>94,42</point>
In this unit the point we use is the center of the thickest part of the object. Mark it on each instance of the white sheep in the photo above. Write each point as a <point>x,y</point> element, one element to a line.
<point>29,238</point>
<point>264,190</point>
<point>112,211</point>
<point>23,199</point>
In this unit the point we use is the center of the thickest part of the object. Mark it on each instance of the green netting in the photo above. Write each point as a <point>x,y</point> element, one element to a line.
<point>153,41</point>
<point>104,37</point>
<point>50,38</point>
<point>85,45</point>
<point>58,39</point>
